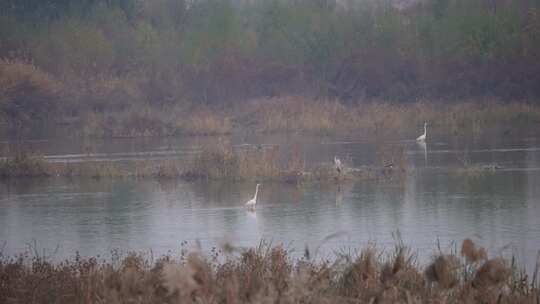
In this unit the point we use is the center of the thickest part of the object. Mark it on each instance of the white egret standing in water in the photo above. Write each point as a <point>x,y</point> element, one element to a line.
<point>422,137</point>
<point>338,165</point>
<point>252,202</point>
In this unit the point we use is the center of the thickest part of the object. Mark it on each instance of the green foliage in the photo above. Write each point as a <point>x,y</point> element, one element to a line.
<point>219,50</point>
<point>73,47</point>
<point>212,30</point>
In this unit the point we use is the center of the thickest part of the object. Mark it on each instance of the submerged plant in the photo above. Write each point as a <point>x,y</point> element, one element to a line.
<point>23,165</point>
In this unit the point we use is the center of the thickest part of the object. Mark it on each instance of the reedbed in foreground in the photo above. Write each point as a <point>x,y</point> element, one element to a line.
<point>267,274</point>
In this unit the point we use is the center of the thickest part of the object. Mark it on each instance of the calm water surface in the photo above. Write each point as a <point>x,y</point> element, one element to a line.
<point>500,210</point>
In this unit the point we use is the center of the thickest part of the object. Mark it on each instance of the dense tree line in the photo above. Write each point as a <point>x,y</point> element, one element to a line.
<point>171,51</point>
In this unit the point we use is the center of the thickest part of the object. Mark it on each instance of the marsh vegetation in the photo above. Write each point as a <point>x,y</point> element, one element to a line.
<point>268,274</point>
<point>429,202</point>
<point>219,161</point>
<point>171,67</point>
<point>124,69</point>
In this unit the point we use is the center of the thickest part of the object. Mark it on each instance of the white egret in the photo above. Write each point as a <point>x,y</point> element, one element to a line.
<point>423,136</point>
<point>338,165</point>
<point>423,146</point>
<point>252,202</point>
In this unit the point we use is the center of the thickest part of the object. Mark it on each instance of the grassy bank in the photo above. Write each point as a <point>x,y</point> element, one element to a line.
<point>268,274</point>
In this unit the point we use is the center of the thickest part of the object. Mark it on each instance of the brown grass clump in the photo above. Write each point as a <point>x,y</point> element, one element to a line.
<point>492,273</point>
<point>215,162</point>
<point>264,274</point>
<point>179,280</point>
<point>471,252</point>
<point>444,271</point>
<point>361,275</point>
<point>401,270</point>
<point>222,161</point>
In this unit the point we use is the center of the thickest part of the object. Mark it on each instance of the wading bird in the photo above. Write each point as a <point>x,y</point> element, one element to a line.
<point>252,202</point>
<point>423,136</point>
<point>338,165</point>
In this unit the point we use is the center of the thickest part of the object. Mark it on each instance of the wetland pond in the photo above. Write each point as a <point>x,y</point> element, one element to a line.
<point>434,203</point>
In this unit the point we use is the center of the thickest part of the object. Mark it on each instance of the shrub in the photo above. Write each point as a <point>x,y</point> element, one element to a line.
<point>26,93</point>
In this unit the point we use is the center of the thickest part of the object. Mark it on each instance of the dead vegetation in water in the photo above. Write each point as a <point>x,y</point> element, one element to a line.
<point>390,165</point>
<point>23,165</point>
<point>476,170</point>
<point>220,161</point>
<point>265,274</point>
<point>469,169</point>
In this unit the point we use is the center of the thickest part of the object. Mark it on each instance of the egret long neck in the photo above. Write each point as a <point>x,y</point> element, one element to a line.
<point>425,129</point>
<point>256,191</point>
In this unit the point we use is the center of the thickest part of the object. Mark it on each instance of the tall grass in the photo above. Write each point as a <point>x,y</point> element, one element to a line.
<point>221,161</point>
<point>266,274</point>
<point>145,121</point>
<point>205,121</point>
<point>298,114</point>
<point>217,162</point>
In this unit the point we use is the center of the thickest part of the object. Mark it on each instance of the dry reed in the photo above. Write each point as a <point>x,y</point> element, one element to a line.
<point>383,119</point>
<point>264,274</point>
<point>376,119</point>
<point>215,162</point>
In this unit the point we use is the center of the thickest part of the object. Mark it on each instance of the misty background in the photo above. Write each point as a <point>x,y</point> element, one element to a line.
<point>83,56</point>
